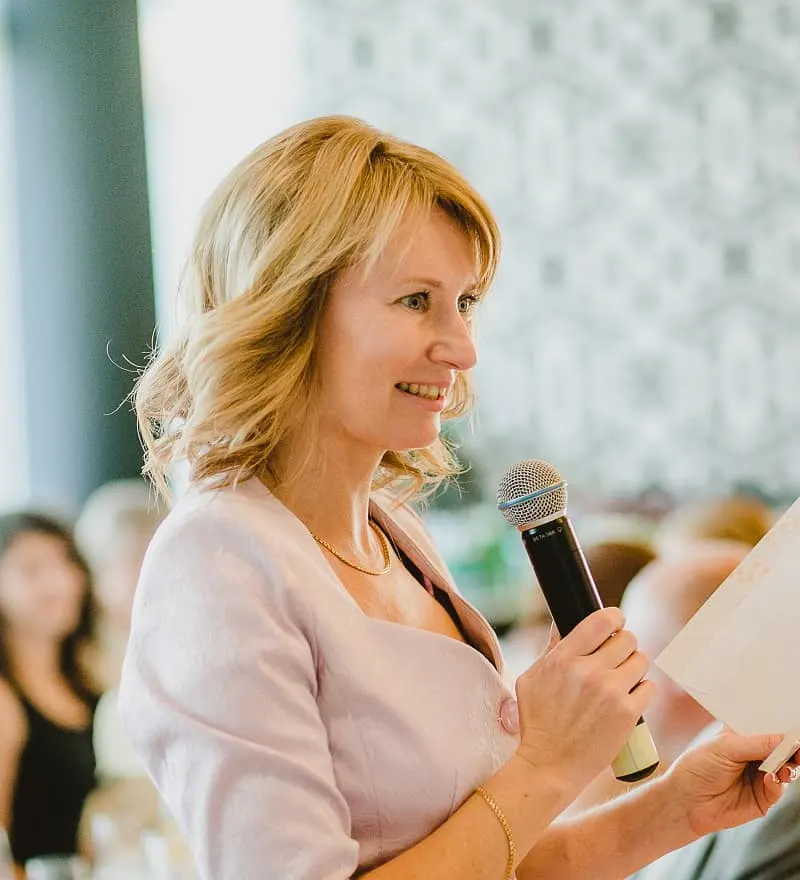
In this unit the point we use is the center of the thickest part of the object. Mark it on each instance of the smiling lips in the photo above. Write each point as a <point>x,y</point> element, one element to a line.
<point>429,392</point>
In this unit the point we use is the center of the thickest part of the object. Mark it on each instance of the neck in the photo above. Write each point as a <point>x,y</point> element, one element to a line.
<point>330,494</point>
<point>33,656</point>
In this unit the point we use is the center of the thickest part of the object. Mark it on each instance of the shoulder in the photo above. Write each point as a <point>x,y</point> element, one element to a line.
<point>13,721</point>
<point>227,527</point>
<point>222,610</point>
<point>248,510</point>
<point>222,554</point>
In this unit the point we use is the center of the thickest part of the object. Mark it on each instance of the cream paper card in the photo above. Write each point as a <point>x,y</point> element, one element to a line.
<point>739,656</point>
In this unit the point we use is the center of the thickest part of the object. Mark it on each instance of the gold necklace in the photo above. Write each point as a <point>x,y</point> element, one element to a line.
<point>387,556</point>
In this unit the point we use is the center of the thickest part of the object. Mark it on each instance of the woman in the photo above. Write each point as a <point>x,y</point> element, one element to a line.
<point>47,704</point>
<point>308,689</point>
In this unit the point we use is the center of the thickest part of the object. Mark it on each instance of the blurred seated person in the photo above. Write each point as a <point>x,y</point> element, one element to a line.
<point>113,530</point>
<point>740,518</point>
<point>657,604</point>
<point>613,564</point>
<point>47,700</point>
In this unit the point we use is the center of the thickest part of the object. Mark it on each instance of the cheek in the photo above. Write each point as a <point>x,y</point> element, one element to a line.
<point>25,599</point>
<point>12,597</point>
<point>63,589</point>
<point>366,374</point>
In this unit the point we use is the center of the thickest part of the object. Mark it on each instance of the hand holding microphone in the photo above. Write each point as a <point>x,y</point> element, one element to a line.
<point>580,700</point>
<point>596,664</point>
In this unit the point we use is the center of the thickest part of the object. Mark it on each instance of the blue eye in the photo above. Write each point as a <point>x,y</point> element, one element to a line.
<point>417,302</point>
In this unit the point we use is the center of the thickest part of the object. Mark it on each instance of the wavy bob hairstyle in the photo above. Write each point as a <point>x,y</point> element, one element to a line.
<point>238,375</point>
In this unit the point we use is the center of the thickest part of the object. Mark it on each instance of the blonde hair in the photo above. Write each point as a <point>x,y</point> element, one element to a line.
<point>228,389</point>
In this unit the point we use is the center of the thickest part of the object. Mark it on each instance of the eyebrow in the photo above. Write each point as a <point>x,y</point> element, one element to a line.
<point>434,282</point>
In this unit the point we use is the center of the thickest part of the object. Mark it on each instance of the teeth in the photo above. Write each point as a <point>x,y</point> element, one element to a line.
<point>431,392</point>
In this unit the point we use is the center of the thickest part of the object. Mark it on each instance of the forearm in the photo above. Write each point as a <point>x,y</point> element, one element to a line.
<point>612,841</point>
<point>471,844</point>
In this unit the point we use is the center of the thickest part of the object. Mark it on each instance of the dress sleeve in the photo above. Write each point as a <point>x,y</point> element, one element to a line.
<point>219,697</point>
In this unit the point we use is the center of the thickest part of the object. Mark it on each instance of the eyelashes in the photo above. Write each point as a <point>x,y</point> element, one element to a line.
<point>419,301</point>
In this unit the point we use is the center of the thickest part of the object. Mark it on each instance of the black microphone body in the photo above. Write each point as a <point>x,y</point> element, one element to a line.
<point>571,595</point>
<point>562,572</point>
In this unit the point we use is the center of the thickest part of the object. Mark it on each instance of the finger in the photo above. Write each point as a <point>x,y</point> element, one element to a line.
<point>771,788</point>
<point>788,773</point>
<point>632,671</point>
<point>616,649</point>
<point>591,632</point>
<point>642,695</point>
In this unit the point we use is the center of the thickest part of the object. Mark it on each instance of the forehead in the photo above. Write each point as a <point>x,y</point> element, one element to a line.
<point>433,247</point>
<point>34,545</point>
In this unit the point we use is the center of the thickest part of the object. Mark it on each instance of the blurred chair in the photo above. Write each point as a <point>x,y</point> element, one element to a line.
<point>614,564</point>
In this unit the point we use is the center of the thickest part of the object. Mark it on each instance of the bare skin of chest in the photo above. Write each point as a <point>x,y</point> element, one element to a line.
<point>398,598</point>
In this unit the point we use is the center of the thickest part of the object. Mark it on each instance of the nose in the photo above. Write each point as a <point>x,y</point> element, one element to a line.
<point>454,345</point>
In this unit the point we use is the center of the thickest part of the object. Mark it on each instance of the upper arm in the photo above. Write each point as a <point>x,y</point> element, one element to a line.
<point>219,695</point>
<point>13,733</point>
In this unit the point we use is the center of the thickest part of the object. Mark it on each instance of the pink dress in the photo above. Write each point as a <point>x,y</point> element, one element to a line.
<point>292,736</point>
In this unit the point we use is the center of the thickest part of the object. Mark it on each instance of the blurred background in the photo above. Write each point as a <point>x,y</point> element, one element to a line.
<point>642,159</point>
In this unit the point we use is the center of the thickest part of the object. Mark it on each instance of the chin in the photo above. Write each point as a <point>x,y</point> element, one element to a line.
<point>409,443</point>
<point>418,436</point>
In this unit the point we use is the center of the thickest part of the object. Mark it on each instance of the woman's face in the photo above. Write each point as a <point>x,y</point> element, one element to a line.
<point>41,588</point>
<point>393,340</point>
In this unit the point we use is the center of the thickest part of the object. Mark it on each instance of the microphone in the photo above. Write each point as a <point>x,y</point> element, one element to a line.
<point>533,497</point>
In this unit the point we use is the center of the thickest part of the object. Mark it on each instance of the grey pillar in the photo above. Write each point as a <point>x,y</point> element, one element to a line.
<point>85,259</point>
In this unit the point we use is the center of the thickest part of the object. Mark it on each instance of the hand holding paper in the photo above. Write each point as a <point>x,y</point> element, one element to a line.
<point>740,654</point>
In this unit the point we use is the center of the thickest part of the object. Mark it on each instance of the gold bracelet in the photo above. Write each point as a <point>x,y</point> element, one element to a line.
<point>492,804</point>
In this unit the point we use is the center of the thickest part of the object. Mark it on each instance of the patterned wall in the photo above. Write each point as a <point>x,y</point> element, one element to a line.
<point>642,157</point>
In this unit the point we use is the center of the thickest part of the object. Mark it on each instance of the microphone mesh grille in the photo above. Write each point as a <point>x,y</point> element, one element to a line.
<point>525,478</point>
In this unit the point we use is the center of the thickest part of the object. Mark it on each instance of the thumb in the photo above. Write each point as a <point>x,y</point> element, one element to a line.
<point>748,748</point>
